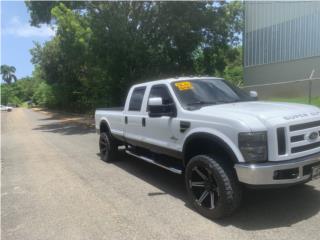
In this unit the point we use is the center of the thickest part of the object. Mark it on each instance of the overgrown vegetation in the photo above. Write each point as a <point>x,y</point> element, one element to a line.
<point>101,48</point>
<point>18,92</point>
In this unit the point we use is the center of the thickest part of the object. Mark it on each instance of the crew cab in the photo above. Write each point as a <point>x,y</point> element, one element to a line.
<point>221,138</point>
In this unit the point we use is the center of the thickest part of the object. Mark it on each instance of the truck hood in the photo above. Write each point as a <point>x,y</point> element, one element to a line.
<point>266,112</point>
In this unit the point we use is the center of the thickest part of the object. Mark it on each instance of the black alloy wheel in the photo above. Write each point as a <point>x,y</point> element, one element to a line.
<point>204,187</point>
<point>108,149</point>
<point>104,144</point>
<point>212,186</point>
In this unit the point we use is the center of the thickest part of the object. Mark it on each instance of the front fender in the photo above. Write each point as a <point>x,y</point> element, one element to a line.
<point>223,139</point>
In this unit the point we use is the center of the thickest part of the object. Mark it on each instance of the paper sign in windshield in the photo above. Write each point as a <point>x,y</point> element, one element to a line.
<point>183,86</point>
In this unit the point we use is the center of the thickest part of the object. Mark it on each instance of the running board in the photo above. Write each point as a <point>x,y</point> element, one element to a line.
<point>149,160</point>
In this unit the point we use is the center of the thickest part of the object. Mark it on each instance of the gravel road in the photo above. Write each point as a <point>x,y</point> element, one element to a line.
<point>54,186</point>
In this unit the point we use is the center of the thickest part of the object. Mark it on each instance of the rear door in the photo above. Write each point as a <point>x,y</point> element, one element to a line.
<point>134,116</point>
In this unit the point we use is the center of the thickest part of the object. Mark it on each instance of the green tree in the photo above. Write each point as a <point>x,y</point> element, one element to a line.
<point>40,11</point>
<point>18,92</point>
<point>102,48</point>
<point>44,95</point>
<point>234,69</point>
<point>7,73</point>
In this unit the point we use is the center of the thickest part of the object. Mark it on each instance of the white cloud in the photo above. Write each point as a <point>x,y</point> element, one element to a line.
<point>17,28</point>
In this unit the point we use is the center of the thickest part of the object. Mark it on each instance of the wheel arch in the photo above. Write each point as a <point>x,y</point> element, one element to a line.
<point>205,143</point>
<point>104,127</point>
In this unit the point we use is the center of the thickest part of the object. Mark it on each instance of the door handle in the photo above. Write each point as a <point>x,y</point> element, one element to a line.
<point>143,122</point>
<point>126,120</point>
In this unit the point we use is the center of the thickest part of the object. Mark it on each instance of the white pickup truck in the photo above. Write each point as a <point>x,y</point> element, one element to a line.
<point>219,137</point>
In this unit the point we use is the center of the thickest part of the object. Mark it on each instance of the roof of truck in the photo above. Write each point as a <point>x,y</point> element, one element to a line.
<point>169,80</point>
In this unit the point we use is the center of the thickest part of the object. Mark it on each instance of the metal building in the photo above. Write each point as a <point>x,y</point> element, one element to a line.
<point>282,43</point>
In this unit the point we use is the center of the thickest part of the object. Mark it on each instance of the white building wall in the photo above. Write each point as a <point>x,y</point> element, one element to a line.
<point>281,43</point>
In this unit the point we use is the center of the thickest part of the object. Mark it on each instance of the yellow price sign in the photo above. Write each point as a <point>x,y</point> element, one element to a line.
<point>183,86</point>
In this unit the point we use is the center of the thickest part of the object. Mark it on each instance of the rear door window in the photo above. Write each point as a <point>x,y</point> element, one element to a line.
<point>136,99</point>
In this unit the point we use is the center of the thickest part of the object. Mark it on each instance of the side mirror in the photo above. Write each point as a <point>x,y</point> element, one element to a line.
<point>156,108</point>
<point>157,101</point>
<point>253,94</point>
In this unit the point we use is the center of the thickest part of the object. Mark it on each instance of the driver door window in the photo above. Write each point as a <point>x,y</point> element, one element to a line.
<point>163,92</point>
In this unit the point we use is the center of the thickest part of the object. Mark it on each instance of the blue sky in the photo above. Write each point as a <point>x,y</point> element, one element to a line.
<point>17,36</point>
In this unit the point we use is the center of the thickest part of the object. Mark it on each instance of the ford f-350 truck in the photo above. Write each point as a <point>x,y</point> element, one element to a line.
<point>221,138</point>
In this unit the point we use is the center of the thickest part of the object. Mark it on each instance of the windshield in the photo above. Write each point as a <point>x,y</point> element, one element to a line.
<point>196,93</point>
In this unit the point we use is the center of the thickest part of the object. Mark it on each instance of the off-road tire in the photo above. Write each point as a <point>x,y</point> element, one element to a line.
<point>226,189</point>
<point>108,148</point>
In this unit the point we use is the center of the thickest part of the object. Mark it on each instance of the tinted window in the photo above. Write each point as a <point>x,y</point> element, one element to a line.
<point>197,93</point>
<point>136,99</point>
<point>161,91</point>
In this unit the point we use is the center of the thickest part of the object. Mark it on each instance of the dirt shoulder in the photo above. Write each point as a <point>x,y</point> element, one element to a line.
<point>68,118</point>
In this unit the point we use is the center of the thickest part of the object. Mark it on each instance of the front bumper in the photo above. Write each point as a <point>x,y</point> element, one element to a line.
<point>278,173</point>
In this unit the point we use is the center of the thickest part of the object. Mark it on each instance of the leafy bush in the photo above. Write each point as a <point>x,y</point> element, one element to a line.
<point>44,95</point>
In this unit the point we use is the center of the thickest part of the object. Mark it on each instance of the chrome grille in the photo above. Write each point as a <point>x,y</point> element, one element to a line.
<point>300,137</point>
<point>304,126</point>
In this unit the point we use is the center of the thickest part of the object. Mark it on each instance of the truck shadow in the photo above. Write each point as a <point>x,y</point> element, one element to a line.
<point>274,208</point>
<point>261,209</point>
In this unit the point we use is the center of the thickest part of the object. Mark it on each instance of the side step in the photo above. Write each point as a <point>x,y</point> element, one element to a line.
<point>149,160</point>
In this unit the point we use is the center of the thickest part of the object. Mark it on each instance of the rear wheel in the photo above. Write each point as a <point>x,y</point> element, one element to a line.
<point>212,186</point>
<point>108,149</point>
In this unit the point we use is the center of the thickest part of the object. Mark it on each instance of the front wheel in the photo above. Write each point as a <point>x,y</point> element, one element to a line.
<point>108,149</point>
<point>212,186</point>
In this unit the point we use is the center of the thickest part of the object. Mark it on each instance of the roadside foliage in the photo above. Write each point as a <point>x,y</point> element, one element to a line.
<point>101,48</point>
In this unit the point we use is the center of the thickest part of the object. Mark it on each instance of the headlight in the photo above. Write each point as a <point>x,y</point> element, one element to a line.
<point>254,146</point>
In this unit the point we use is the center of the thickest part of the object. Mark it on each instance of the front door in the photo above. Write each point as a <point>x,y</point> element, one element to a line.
<point>160,132</point>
